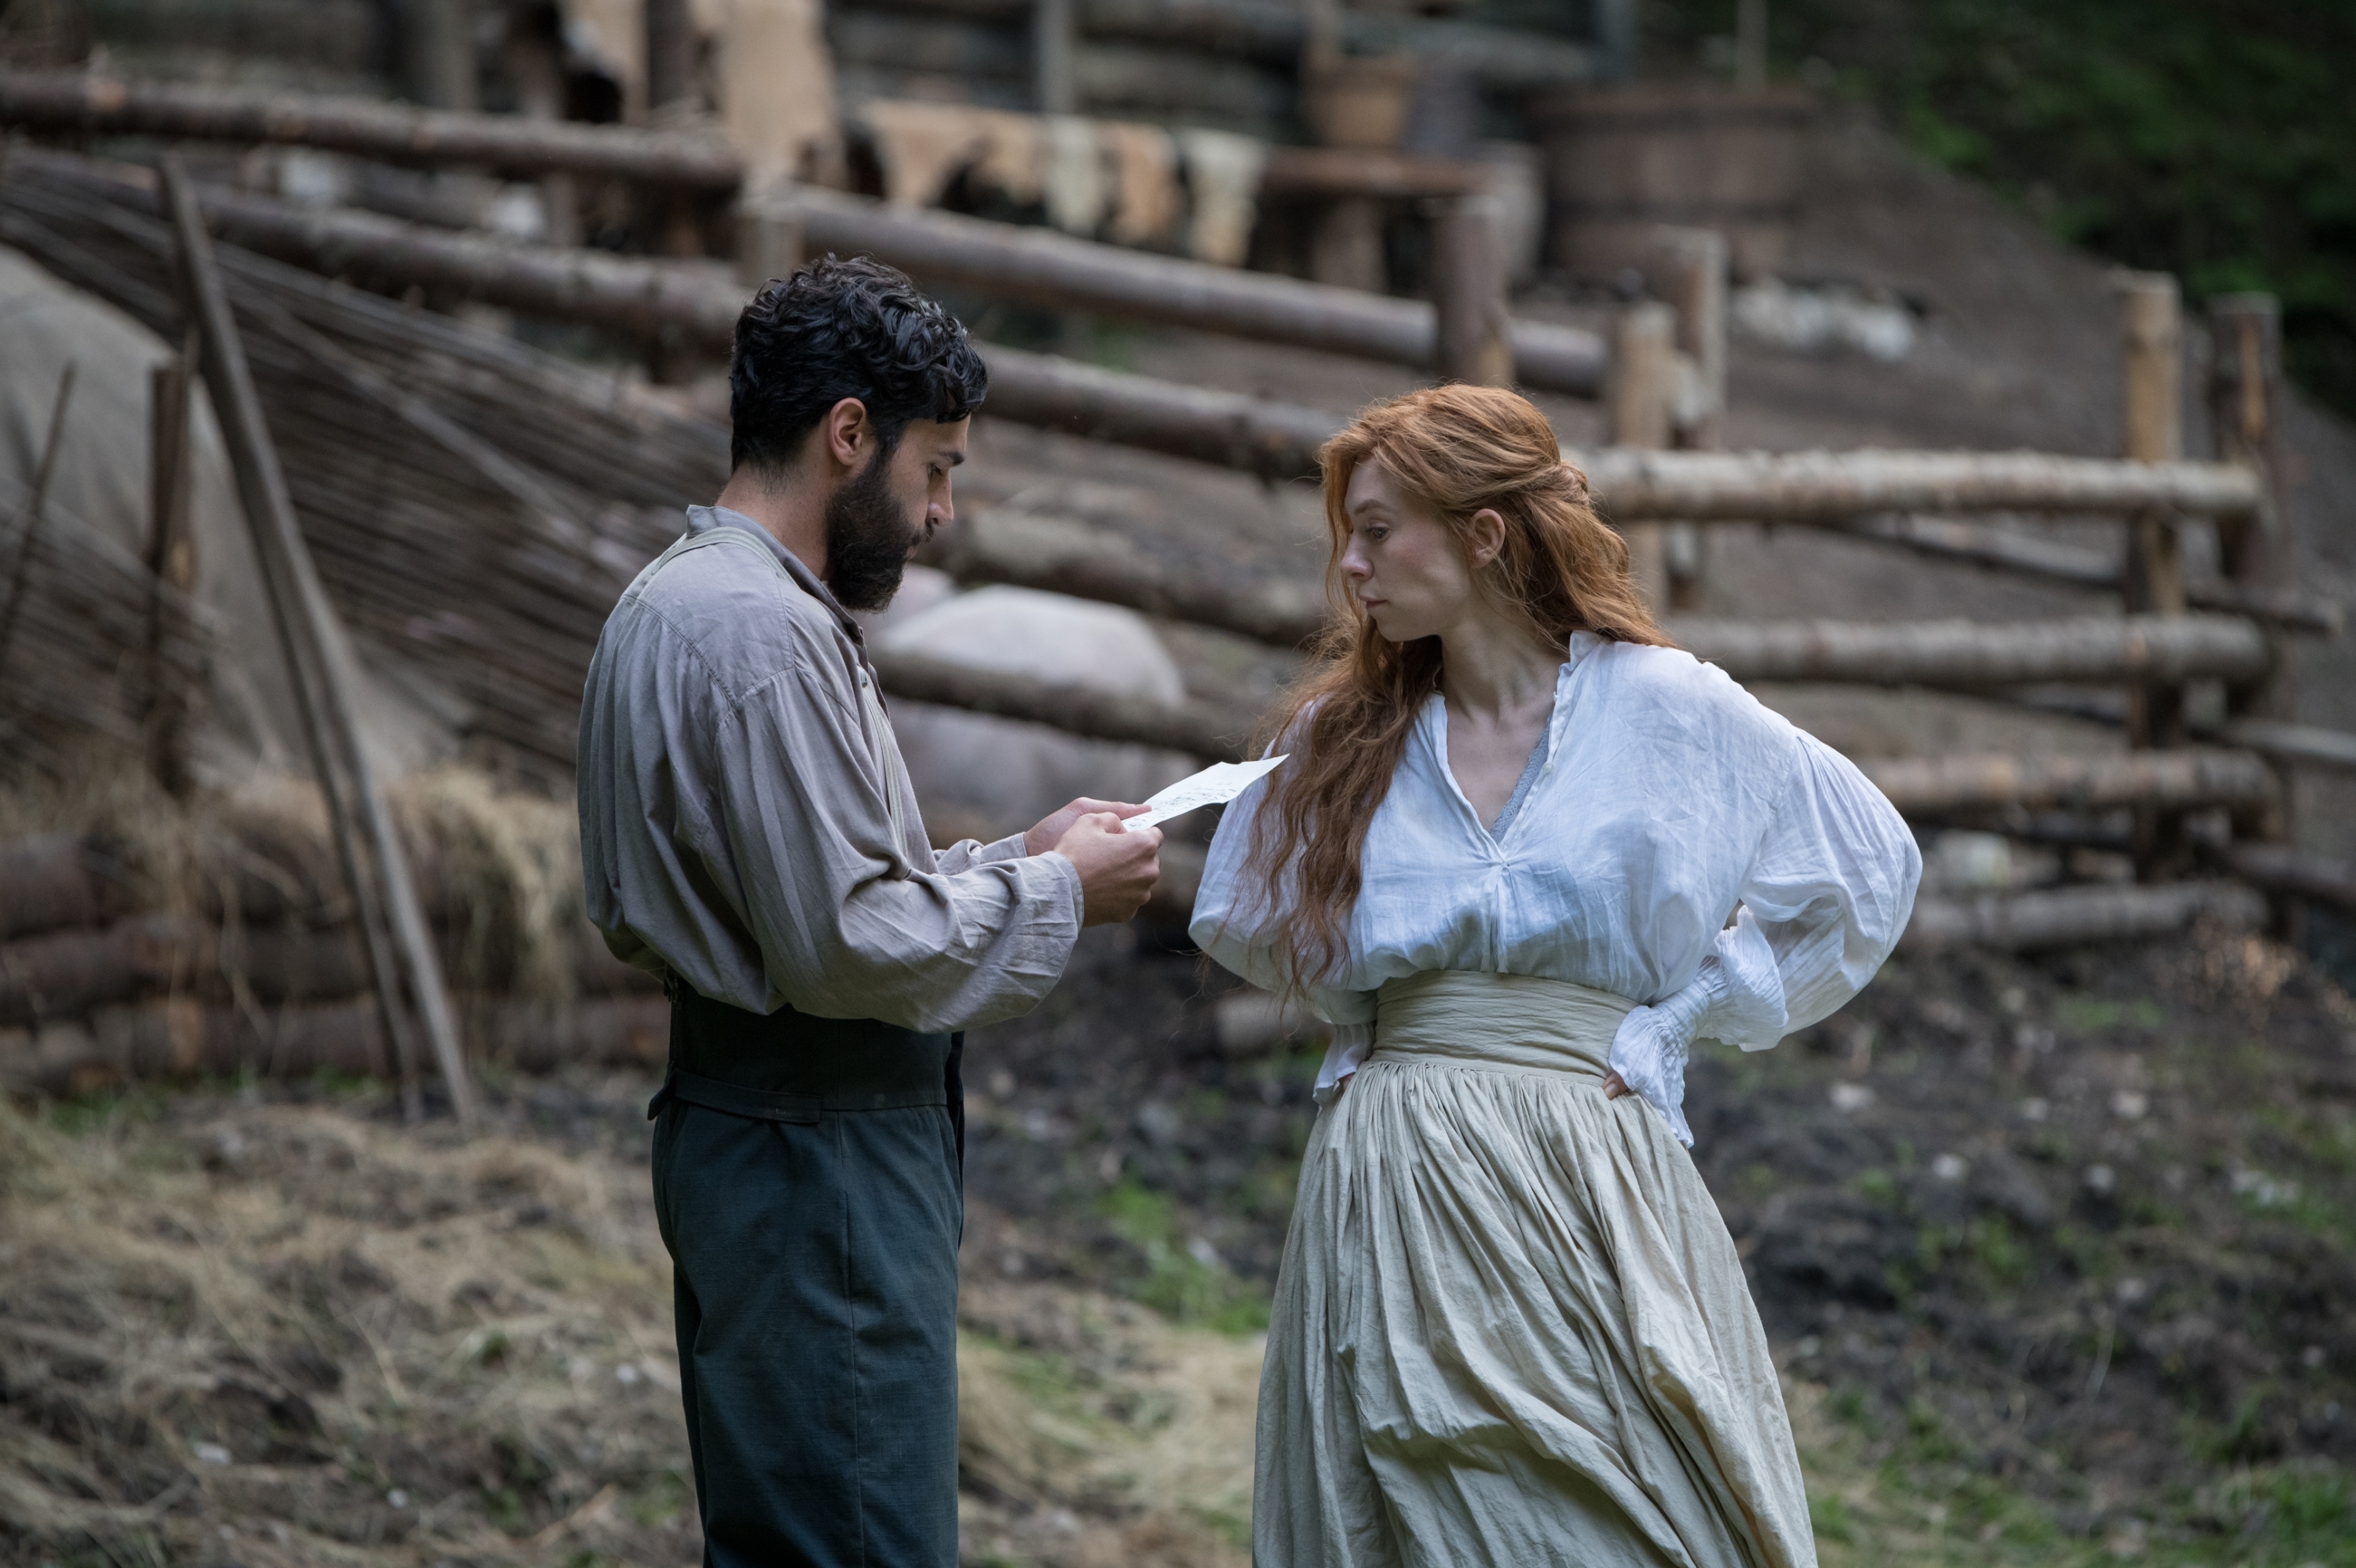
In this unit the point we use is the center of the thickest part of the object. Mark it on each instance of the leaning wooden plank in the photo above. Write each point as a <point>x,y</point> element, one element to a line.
<point>316,657</point>
<point>2093,651</point>
<point>2178,780</point>
<point>1207,729</point>
<point>113,106</point>
<point>2063,917</point>
<point>1039,266</point>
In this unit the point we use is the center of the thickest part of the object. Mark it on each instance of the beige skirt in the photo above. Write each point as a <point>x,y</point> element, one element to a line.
<point>1510,1328</point>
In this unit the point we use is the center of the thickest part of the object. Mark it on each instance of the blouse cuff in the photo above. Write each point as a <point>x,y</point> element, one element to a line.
<point>1649,1049</point>
<point>1344,1055</point>
<point>1750,1010</point>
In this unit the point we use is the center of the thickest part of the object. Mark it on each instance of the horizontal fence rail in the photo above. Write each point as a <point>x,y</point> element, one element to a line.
<point>1041,267</point>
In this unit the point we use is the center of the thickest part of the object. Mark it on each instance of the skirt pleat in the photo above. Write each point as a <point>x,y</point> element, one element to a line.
<point>1511,1329</point>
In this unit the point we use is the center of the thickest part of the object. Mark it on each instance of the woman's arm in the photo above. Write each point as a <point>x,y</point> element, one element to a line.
<point>1826,896</point>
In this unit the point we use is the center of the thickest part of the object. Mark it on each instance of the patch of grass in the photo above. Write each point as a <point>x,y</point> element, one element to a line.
<point>1176,1281</point>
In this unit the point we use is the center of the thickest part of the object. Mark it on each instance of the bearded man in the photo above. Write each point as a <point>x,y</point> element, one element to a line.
<point>748,833</point>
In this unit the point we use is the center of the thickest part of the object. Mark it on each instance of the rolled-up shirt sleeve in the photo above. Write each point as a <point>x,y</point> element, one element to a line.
<point>847,926</point>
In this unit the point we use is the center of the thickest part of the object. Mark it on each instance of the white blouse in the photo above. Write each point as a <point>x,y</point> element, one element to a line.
<point>1680,845</point>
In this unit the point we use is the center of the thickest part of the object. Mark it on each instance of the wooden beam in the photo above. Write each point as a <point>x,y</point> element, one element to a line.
<point>171,562</point>
<point>1204,728</point>
<point>2178,780</point>
<point>2063,917</point>
<point>1468,291</point>
<point>1641,400</point>
<point>1313,172</point>
<point>1817,486</point>
<point>1039,266</point>
<point>113,106</point>
<point>375,865</point>
<point>2281,869</point>
<point>1977,654</point>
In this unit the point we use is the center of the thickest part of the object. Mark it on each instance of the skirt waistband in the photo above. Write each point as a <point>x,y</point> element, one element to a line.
<point>1515,1021</point>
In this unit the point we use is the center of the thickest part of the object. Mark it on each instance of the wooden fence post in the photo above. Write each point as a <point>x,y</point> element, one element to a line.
<point>1468,293</point>
<point>2245,387</point>
<point>1688,268</point>
<point>2152,338</point>
<point>1643,394</point>
<point>1053,30</point>
<point>768,243</point>
<point>437,38</point>
<point>171,562</point>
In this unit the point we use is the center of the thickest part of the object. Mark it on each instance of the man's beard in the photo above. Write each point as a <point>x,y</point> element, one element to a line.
<point>867,540</point>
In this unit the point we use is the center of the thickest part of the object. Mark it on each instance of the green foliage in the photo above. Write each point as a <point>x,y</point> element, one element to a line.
<point>2213,140</point>
<point>1175,1282</point>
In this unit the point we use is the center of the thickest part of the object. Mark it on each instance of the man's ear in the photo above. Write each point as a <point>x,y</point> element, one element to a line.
<point>848,434</point>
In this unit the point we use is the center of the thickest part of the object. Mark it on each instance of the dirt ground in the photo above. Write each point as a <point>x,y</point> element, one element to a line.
<point>2055,1254</point>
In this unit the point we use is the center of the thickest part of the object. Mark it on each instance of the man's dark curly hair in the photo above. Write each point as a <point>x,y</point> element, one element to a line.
<point>841,329</point>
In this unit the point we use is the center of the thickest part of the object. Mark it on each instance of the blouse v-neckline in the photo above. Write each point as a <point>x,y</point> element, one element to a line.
<point>1541,753</point>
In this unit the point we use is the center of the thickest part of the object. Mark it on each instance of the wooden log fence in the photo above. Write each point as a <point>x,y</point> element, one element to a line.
<point>1973,654</point>
<point>1041,267</point>
<point>2060,917</point>
<point>2175,780</point>
<point>94,105</point>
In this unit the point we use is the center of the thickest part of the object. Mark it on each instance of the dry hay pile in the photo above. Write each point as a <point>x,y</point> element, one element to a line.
<point>281,1334</point>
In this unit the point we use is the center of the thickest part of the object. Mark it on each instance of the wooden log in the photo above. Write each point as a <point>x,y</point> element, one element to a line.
<point>1055,82</point>
<point>2282,869</point>
<point>1817,486</point>
<point>1204,728</point>
<point>1279,440</point>
<point>64,974</point>
<point>1499,58</point>
<point>2153,583</point>
<point>1468,291</point>
<point>178,1039</point>
<point>1038,266</point>
<point>1641,400</point>
<point>670,54</point>
<point>438,52</point>
<point>994,544</point>
<point>2292,744</point>
<point>45,882</point>
<point>2015,550</point>
<point>2063,917</point>
<point>1687,269</point>
<point>1968,655</point>
<point>2177,780</point>
<point>109,106</point>
<point>1323,173</point>
<point>172,562</point>
<point>375,863</point>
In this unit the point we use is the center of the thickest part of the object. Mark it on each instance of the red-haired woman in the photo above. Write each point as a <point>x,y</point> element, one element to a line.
<point>1510,1327</point>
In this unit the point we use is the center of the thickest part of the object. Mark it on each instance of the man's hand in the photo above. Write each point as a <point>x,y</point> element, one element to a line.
<point>1051,830</point>
<point>1118,868</point>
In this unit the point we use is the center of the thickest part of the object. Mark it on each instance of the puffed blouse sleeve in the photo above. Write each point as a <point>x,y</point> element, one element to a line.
<point>1826,896</point>
<point>1827,892</point>
<point>1236,922</point>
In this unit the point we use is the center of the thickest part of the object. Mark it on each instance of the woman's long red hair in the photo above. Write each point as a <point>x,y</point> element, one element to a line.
<point>1456,450</point>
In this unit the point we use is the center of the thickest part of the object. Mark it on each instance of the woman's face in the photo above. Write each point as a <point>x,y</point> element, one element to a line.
<point>1403,564</point>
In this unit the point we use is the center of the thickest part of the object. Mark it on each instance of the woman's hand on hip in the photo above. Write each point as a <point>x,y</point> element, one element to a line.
<point>1614,1086</point>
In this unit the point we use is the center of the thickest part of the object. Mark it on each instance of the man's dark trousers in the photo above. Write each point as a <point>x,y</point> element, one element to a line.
<point>806,1182</point>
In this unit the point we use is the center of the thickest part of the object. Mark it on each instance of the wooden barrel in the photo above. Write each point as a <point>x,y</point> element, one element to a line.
<point>1622,160</point>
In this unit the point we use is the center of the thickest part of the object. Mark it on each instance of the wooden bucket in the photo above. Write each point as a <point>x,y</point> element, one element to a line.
<point>1360,102</point>
<point>1620,162</point>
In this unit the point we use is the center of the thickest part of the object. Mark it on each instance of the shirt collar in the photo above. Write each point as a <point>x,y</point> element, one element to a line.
<point>704,519</point>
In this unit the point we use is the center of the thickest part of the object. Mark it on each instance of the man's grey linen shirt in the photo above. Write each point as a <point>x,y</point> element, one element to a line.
<point>737,776</point>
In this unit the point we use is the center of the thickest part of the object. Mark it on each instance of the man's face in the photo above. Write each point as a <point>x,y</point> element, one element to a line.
<point>885,512</point>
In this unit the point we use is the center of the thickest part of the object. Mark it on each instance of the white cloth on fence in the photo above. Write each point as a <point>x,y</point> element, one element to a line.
<point>1510,1328</point>
<point>1667,796</point>
<point>1223,173</point>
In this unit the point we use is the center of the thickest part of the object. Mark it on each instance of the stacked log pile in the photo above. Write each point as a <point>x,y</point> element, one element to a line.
<point>252,964</point>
